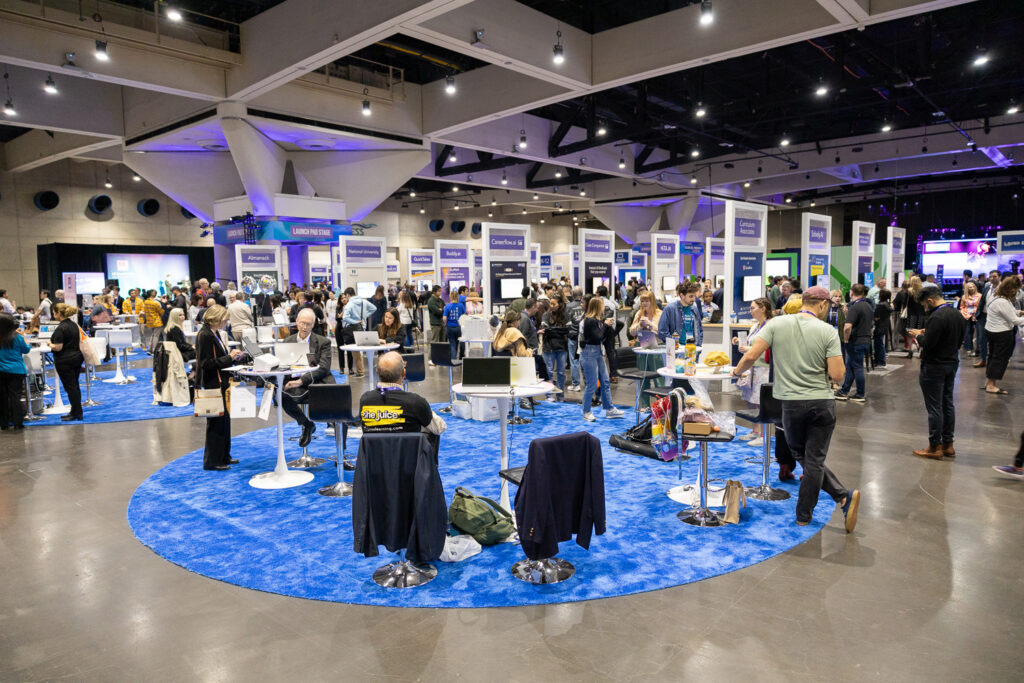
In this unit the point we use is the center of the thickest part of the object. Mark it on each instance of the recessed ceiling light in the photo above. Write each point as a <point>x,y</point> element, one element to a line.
<point>101,51</point>
<point>707,15</point>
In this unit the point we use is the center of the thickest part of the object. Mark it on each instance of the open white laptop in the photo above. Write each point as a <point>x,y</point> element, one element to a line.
<point>524,372</point>
<point>366,338</point>
<point>291,353</point>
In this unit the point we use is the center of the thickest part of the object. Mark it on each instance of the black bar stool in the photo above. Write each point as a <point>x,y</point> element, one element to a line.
<point>415,368</point>
<point>769,414</point>
<point>441,354</point>
<point>629,359</point>
<point>332,403</point>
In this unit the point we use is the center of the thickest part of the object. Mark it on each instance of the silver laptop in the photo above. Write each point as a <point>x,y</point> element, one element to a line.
<point>647,339</point>
<point>366,338</point>
<point>291,353</point>
<point>487,375</point>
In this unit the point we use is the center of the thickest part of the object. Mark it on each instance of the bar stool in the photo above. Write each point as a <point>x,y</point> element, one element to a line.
<point>120,341</point>
<point>332,403</point>
<point>99,345</point>
<point>629,360</point>
<point>306,461</point>
<point>441,354</point>
<point>415,368</point>
<point>58,407</point>
<point>701,515</point>
<point>34,365</point>
<point>770,413</point>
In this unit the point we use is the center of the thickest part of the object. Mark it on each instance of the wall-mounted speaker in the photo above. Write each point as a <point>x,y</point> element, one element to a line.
<point>458,226</point>
<point>187,214</point>
<point>100,204</point>
<point>148,207</point>
<point>436,225</point>
<point>476,230</point>
<point>46,200</point>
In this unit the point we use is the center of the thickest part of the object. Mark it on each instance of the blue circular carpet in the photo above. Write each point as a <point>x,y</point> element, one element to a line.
<point>295,542</point>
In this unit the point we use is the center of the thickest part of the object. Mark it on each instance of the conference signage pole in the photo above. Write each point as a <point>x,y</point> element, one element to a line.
<point>745,247</point>
<point>895,256</point>
<point>363,260</point>
<point>863,253</point>
<point>506,260</point>
<point>664,264</point>
<point>454,260</point>
<point>535,262</point>
<point>257,260</point>
<point>714,258</point>
<point>596,258</point>
<point>621,264</point>
<point>815,250</point>
<point>574,271</point>
<point>420,264</point>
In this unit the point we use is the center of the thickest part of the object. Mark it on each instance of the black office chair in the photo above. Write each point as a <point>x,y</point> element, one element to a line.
<point>769,414</point>
<point>415,368</point>
<point>441,354</point>
<point>332,403</point>
<point>628,359</point>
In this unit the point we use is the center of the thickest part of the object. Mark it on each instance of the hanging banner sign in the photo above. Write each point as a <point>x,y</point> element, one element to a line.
<point>621,258</point>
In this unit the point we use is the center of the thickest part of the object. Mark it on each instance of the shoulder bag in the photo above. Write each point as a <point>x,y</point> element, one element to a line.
<point>480,517</point>
<point>210,403</point>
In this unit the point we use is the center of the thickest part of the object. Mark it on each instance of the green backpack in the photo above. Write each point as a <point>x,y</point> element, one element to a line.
<point>480,517</point>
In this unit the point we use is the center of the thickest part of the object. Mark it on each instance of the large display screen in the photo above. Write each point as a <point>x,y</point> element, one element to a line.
<point>146,271</point>
<point>511,288</point>
<point>774,266</point>
<point>956,256</point>
<point>753,287</point>
<point>366,290</point>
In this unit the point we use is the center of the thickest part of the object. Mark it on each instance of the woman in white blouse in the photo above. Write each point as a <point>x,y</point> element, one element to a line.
<point>761,311</point>
<point>1000,328</point>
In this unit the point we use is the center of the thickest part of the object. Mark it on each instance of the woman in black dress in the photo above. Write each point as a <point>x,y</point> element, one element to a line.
<point>212,356</point>
<point>65,343</point>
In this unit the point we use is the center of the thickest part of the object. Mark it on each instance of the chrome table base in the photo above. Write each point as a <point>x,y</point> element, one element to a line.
<point>700,517</point>
<point>340,490</point>
<point>766,492</point>
<point>551,570</point>
<point>306,461</point>
<point>404,574</point>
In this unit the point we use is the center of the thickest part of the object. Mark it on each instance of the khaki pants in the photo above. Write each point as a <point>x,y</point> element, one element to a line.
<point>438,334</point>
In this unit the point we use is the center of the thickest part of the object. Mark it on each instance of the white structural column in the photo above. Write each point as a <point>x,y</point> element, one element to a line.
<point>260,162</point>
<point>195,180</point>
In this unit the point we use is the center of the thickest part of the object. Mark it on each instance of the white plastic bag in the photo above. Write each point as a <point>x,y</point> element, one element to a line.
<point>459,548</point>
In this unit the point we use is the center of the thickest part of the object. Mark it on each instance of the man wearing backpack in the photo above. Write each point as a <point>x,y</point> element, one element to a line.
<point>574,311</point>
<point>354,318</point>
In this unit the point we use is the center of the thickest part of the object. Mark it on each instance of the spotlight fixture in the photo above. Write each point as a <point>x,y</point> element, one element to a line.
<point>136,177</point>
<point>694,152</point>
<point>524,210</point>
<point>412,193</point>
<point>101,51</point>
<point>536,196</point>
<point>50,86</point>
<point>455,188</point>
<point>622,162</point>
<point>522,138</point>
<point>453,157</point>
<point>449,84</point>
<point>955,161</point>
<point>493,201</point>
<point>601,130</point>
<point>837,158</point>
<point>366,102</point>
<point>707,15</point>
<point>789,200</point>
<point>560,207</point>
<point>821,90</point>
<point>583,192</point>
<point>69,61</point>
<point>558,173</point>
<point>107,184</point>
<point>558,52</point>
<point>700,112</point>
<point>456,207</point>
<point>174,14</point>
<point>422,210</point>
<point>9,109</point>
<point>490,214</point>
<point>981,59</point>
<point>746,184</point>
<point>504,179</point>
<point>693,179</point>
<point>784,142</point>
<point>886,126</point>
<point>1012,109</point>
<point>812,202</point>
<point>541,220</point>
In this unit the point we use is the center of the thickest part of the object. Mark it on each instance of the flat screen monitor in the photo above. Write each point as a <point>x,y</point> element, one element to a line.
<point>89,283</point>
<point>869,279</point>
<point>634,274</point>
<point>775,266</point>
<point>668,283</point>
<point>146,271</point>
<point>455,284</point>
<point>753,287</point>
<point>598,282</point>
<point>366,289</point>
<point>511,288</point>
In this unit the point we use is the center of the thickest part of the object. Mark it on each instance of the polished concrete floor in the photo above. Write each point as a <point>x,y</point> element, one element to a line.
<point>928,587</point>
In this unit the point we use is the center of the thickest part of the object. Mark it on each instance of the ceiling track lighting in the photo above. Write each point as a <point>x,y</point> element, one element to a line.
<point>524,210</point>
<point>1012,109</point>
<point>583,192</point>
<point>9,109</point>
<point>136,178</point>
<point>69,61</point>
<point>821,90</point>
<point>602,130</point>
<point>695,152</point>
<point>535,196</point>
<point>422,210</point>
<point>522,138</point>
<point>504,179</point>
<point>493,201</point>
<point>455,188</point>
<point>886,126</point>
<point>366,102</point>
<point>981,59</point>
<point>700,112</point>
<point>693,179</point>
<point>453,157</point>
<point>107,184</point>
<point>49,86</point>
<point>707,14</point>
<point>449,84</point>
<point>456,207</point>
<point>746,184</point>
<point>784,142</point>
<point>101,51</point>
<point>558,173</point>
<point>412,193</point>
<point>558,52</point>
<point>622,162</point>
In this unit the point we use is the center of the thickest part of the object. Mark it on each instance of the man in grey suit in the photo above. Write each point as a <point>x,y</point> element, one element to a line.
<point>296,391</point>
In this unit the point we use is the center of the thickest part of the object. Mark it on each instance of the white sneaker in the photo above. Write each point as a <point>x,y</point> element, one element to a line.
<point>431,363</point>
<point>748,437</point>
<point>756,442</point>
<point>589,417</point>
<point>613,414</point>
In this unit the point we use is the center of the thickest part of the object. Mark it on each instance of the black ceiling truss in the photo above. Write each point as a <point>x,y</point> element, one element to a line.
<point>485,162</point>
<point>573,177</point>
<point>441,159</point>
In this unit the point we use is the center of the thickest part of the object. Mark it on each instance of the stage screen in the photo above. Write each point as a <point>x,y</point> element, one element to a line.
<point>147,271</point>
<point>956,256</point>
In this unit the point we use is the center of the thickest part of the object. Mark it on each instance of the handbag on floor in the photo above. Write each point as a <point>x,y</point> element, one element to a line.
<point>480,517</point>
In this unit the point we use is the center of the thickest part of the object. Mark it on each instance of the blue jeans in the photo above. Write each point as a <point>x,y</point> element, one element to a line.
<point>982,337</point>
<point>594,370</point>
<point>855,367</point>
<point>453,340</point>
<point>574,363</point>
<point>408,336</point>
<point>937,381</point>
<point>555,360</point>
<point>879,349</point>
<point>969,336</point>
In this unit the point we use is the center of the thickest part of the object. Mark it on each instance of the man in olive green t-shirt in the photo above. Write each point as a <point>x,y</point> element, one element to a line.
<point>805,353</point>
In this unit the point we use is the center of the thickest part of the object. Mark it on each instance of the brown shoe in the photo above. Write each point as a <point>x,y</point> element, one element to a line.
<point>980,364</point>
<point>932,452</point>
<point>948,450</point>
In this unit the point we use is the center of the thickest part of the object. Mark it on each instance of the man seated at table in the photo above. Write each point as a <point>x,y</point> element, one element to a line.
<point>389,408</point>
<point>296,391</point>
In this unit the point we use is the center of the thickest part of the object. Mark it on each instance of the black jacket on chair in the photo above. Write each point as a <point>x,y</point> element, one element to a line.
<point>562,493</point>
<point>397,497</point>
<point>211,356</point>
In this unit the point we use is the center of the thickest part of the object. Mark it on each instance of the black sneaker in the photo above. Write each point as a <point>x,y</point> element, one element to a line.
<point>840,396</point>
<point>859,399</point>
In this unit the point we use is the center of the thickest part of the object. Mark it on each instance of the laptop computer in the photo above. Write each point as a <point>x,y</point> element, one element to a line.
<point>291,353</point>
<point>647,339</point>
<point>486,375</point>
<point>524,372</point>
<point>366,338</point>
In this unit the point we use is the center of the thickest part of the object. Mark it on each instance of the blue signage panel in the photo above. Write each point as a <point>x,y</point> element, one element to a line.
<point>744,264</point>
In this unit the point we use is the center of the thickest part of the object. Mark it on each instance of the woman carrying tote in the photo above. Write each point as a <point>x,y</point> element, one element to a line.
<point>1000,327</point>
<point>65,343</point>
<point>212,356</point>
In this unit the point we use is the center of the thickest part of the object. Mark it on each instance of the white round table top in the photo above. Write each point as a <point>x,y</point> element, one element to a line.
<point>467,340</point>
<point>249,370</point>
<point>703,373</point>
<point>368,349</point>
<point>661,350</point>
<point>119,326</point>
<point>527,391</point>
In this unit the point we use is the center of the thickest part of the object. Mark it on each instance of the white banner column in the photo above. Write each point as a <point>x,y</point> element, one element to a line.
<point>664,265</point>
<point>596,258</point>
<point>815,250</point>
<point>363,262</point>
<point>895,257</point>
<point>506,260</point>
<point>745,248</point>
<point>257,260</point>
<point>454,259</point>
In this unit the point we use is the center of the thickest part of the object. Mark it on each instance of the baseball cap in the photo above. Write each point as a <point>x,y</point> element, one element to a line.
<point>816,293</point>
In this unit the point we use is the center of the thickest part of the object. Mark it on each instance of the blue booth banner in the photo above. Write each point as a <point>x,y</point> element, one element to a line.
<point>692,248</point>
<point>545,260</point>
<point>283,231</point>
<point>621,258</point>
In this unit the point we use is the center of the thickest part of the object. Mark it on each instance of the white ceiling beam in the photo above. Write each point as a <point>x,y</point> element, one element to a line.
<point>298,36</point>
<point>81,107</point>
<point>846,11</point>
<point>38,147</point>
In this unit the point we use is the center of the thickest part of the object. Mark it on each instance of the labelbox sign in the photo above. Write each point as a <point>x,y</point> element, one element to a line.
<point>259,258</point>
<point>362,252</point>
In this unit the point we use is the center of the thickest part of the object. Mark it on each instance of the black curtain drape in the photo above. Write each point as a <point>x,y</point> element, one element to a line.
<point>57,258</point>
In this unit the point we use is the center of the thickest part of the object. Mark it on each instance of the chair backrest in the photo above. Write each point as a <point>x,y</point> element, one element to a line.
<point>119,339</point>
<point>331,403</point>
<point>249,333</point>
<point>265,334</point>
<point>415,367</point>
<point>771,407</point>
<point>627,358</point>
<point>34,361</point>
<point>441,353</point>
<point>99,345</point>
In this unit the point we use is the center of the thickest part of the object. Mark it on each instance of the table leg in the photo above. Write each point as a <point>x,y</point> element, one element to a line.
<point>503,418</point>
<point>370,370</point>
<point>702,516</point>
<point>282,467</point>
<point>281,477</point>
